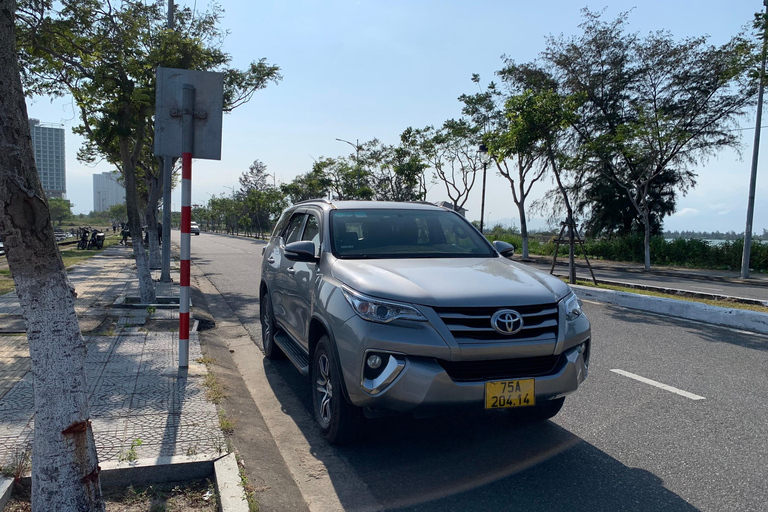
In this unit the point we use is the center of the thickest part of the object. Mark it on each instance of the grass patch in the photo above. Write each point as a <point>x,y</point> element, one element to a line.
<point>6,284</point>
<point>214,391</point>
<point>719,303</point>
<point>248,488</point>
<point>227,426</point>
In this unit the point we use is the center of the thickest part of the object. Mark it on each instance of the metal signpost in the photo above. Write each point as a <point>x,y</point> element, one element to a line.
<point>188,118</point>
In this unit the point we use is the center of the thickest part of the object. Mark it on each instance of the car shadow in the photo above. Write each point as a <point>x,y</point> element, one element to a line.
<point>478,462</point>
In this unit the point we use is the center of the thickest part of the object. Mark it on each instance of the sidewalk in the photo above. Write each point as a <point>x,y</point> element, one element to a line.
<point>136,391</point>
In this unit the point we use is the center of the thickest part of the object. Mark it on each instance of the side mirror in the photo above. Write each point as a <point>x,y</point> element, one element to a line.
<point>505,249</point>
<point>301,251</point>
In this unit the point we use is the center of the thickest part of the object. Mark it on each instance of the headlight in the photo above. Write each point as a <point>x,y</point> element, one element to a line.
<point>572,307</point>
<point>378,310</point>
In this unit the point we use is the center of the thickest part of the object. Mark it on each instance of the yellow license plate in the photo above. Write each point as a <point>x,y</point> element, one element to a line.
<point>509,393</point>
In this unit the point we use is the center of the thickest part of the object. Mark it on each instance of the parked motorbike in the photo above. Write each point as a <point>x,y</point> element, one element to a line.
<point>84,241</point>
<point>97,240</point>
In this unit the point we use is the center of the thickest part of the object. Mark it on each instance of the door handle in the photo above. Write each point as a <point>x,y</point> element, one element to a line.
<point>291,270</point>
<point>271,259</point>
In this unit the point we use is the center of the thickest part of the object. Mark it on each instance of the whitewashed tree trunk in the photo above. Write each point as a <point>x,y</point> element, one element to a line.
<point>155,188</point>
<point>146,285</point>
<point>65,470</point>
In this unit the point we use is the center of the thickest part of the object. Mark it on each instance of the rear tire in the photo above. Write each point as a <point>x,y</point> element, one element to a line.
<point>339,420</point>
<point>538,413</point>
<point>268,328</point>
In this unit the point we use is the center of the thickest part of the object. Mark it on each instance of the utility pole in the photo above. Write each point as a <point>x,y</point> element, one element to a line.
<point>165,257</point>
<point>755,150</point>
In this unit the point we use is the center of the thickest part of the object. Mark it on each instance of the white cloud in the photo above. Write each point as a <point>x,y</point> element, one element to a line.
<point>724,212</point>
<point>687,212</point>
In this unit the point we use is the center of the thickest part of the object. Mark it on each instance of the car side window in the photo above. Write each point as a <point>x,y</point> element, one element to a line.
<point>280,226</point>
<point>312,231</point>
<point>294,228</point>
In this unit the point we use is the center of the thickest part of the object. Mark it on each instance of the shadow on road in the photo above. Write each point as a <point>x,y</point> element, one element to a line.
<point>482,462</point>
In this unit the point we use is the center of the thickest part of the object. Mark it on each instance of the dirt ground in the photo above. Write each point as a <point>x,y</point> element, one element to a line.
<point>173,497</point>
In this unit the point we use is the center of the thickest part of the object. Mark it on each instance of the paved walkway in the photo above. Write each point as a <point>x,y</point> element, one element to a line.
<point>136,391</point>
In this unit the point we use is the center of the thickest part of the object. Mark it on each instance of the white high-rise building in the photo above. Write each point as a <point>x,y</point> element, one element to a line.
<point>107,191</point>
<point>48,144</point>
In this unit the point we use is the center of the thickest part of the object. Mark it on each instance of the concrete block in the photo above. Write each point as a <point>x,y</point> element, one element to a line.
<point>231,495</point>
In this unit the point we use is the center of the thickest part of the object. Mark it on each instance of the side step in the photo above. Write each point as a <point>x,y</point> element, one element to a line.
<point>295,353</point>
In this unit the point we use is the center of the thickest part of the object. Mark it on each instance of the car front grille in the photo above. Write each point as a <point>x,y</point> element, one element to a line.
<point>471,326</point>
<point>468,371</point>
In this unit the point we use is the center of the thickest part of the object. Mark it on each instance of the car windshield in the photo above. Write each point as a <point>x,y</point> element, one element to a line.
<point>378,233</point>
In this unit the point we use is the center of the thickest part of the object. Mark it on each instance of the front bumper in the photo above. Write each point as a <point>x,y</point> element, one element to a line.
<point>423,386</point>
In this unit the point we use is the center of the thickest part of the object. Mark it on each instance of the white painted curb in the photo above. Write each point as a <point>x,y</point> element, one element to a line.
<point>736,318</point>
<point>231,493</point>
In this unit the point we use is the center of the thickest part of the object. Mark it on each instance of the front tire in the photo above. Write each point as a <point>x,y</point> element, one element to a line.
<point>268,328</point>
<point>339,420</point>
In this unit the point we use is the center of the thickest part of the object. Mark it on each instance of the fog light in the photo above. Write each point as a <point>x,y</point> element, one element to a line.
<point>374,361</point>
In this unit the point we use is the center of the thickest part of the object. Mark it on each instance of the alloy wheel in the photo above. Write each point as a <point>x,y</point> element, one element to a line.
<point>324,390</point>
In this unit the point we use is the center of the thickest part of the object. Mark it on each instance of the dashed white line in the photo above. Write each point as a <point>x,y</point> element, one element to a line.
<point>659,385</point>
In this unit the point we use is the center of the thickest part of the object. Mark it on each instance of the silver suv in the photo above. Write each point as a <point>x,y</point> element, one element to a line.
<point>394,308</point>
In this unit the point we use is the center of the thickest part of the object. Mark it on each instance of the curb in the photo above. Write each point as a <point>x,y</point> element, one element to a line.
<point>231,496</point>
<point>676,291</point>
<point>6,489</point>
<point>726,317</point>
<point>143,472</point>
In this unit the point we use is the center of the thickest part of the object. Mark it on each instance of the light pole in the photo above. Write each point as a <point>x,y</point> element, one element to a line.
<point>485,158</point>
<point>357,160</point>
<point>755,150</point>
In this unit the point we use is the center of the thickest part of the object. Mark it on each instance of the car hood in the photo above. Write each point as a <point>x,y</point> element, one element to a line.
<point>451,282</point>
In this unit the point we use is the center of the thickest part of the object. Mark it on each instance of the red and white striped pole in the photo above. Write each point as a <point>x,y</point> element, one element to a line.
<point>187,143</point>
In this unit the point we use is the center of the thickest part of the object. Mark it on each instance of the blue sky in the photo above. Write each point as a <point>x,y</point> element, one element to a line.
<point>365,69</point>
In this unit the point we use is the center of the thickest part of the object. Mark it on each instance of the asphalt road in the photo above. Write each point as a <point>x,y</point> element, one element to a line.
<point>618,444</point>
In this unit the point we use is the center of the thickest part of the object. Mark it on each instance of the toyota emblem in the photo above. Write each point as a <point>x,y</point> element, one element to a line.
<point>507,322</point>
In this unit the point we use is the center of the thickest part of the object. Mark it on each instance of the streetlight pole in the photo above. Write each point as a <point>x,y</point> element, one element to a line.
<point>357,160</point>
<point>755,150</point>
<point>485,158</point>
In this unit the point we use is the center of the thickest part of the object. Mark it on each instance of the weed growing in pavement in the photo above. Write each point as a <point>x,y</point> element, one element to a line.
<point>206,360</point>
<point>214,391</point>
<point>225,424</point>
<point>248,489</point>
<point>191,450</point>
<point>20,464</point>
<point>151,310</point>
<point>130,455</point>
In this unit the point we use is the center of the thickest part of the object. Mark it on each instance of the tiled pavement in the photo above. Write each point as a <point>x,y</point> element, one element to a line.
<point>136,391</point>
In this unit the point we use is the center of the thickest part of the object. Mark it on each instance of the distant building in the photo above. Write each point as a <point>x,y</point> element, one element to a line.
<point>107,191</point>
<point>48,144</point>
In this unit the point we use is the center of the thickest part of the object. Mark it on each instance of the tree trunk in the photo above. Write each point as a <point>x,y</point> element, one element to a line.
<point>155,188</point>
<point>146,285</point>
<point>523,227</point>
<point>65,470</point>
<point>569,210</point>
<point>647,244</point>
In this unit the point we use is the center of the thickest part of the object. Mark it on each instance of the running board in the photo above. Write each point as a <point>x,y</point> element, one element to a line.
<point>295,353</point>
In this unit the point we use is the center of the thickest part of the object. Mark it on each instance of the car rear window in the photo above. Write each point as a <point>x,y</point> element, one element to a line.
<point>378,233</point>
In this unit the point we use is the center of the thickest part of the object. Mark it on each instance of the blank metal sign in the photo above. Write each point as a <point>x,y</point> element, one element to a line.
<point>209,100</point>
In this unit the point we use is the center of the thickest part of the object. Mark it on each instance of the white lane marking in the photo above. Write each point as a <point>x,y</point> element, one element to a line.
<point>592,301</point>
<point>659,385</point>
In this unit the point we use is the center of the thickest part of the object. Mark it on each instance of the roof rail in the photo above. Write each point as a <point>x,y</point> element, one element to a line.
<point>321,200</point>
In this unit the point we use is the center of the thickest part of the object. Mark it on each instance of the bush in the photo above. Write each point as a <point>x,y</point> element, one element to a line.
<point>691,253</point>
